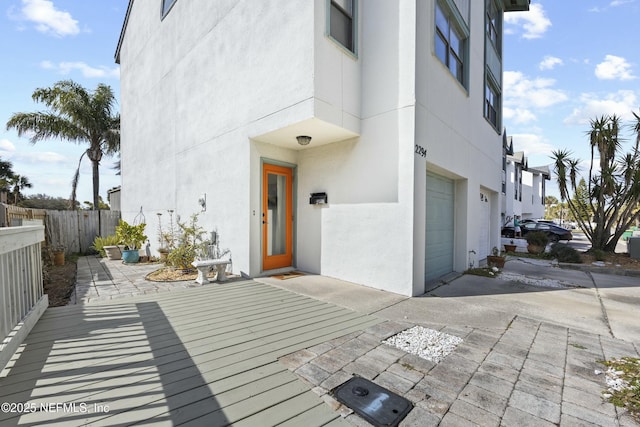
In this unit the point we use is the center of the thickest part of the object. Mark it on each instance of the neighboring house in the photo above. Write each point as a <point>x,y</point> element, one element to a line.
<point>534,190</point>
<point>523,187</point>
<point>113,197</point>
<point>402,101</point>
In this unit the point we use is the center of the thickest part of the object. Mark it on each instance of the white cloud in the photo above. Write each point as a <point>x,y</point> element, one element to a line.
<point>534,22</point>
<point>41,157</point>
<point>521,92</point>
<point>550,62</point>
<point>86,70</point>
<point>614,68</point>
<point>48,19</point>
<point>518,115</point>
<point>6,145</point>
<point>531,144</point>
<point>615,3</point>
<point>621,103</point>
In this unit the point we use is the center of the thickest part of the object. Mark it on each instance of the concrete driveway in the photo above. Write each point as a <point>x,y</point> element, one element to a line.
<point>603,304</point>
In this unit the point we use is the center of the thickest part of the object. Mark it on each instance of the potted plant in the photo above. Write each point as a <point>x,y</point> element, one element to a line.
<point>495,260</point>
<point>132,236</point>
<point>58,255</point>
<point>511,247</point>
<point>536,242</point>
<point>108,246</point>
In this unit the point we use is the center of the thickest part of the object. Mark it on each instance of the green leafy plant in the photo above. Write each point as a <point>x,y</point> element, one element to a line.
<point>564,253</point>
<point>132,236</point>
<point>167,237</point>
<point>599,254</point>
<point>191,244</point>
<point>537,238</point>
<point>100,242</point>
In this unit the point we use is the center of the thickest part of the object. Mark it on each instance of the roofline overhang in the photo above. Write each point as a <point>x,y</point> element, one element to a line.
<point>516,5</point>
<point>122,31</point>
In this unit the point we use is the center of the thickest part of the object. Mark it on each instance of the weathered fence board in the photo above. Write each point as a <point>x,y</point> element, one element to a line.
<point>75,231</point>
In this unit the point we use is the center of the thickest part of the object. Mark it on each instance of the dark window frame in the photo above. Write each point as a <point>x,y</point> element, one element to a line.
<point>337,14</point>
<point>493,25</point>
<point>451,42</point>
<point>492,103</point>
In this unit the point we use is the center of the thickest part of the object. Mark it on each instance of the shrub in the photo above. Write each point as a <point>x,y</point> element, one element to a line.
<point>191,244</point>
<point>100,242</point>
<point>537,238</point>
<point>564,253</point>
<point>599,254</point>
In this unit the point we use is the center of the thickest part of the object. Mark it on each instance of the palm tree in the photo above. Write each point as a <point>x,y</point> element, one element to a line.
<point>19,182</point>
<point>76,115</point>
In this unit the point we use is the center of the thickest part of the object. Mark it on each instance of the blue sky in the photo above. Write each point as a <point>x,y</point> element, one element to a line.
<point>42,42</point>
<point>565,61</point>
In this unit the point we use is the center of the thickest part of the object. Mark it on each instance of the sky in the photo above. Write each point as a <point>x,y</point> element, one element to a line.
<point>565,62</point>
<point>41,43</point>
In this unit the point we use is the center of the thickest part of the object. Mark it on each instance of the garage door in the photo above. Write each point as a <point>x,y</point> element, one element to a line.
<point>484,214</point>
<point>439,238</point>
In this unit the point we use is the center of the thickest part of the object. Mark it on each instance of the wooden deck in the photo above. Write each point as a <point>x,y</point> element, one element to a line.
<point>202,356</point>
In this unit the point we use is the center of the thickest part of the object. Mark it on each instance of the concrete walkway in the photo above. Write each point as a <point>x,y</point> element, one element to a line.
<point>529,356</point>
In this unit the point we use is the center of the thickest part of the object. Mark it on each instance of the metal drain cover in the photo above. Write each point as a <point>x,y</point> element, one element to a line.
<point>375,404</point>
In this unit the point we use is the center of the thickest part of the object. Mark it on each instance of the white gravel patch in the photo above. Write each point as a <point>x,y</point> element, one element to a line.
<point>533,281</point>
<point>424,342</point>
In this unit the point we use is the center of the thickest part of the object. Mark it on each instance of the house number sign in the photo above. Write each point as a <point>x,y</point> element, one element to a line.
<point>421,151</point>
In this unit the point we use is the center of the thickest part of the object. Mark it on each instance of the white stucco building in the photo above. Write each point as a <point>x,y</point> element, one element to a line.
<point>401,99</point>
<point>524,186</point>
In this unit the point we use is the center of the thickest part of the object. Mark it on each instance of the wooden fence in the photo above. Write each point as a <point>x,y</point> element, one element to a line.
<point>72,230</point>
<point>22,300</point>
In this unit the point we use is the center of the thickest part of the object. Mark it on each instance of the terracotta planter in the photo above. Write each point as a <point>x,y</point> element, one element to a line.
<point>510,248</point>
<point>497,261</point>
<point>58,258</point>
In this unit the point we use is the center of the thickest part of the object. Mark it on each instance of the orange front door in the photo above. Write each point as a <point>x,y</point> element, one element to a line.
<point>277,216</point>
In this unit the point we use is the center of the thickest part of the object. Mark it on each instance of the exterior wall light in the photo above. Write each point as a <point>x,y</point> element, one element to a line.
<point>303,140</point>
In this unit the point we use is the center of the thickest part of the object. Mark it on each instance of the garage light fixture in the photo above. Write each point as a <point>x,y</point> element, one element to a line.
<point>303,140</point>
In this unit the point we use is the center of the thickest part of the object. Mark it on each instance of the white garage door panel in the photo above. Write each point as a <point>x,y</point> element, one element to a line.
<point>439,227</point>
<point>485,225</point>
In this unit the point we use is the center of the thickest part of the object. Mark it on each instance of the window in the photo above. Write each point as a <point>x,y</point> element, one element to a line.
<point>450,41</point>
<point>494,25</point>
<point>342,26</point>
<point>491,104</point>
<point>166,6</point>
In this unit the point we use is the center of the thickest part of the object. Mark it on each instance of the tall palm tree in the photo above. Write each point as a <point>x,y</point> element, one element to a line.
<point>19,182</point>
<point>76,115</point>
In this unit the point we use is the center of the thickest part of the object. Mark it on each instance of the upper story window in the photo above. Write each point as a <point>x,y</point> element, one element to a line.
<point>492,103</point>
<point>342,27</point>
<point>451,40</point>
<point>166,6</point>
<point>494,25</point>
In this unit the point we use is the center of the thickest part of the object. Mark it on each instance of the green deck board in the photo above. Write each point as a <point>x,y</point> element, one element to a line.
<point>201,355</point>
